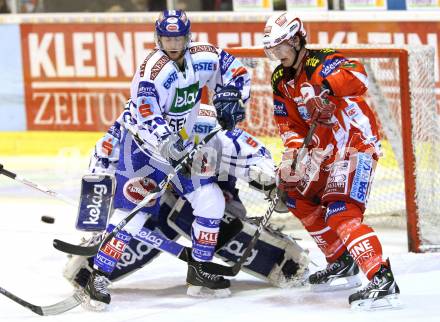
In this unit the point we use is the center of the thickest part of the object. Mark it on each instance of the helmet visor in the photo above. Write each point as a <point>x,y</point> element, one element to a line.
<point>279,51</point>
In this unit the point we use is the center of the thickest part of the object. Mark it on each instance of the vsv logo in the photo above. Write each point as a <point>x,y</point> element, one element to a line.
<point>99,190</point>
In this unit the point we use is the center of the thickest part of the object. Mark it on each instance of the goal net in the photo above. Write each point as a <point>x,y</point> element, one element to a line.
<point>406,188</point>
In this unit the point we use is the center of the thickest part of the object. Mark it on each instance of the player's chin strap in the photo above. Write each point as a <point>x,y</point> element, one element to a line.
<point>273,202</point>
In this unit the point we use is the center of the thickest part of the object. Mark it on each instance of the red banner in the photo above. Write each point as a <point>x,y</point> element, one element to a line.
<point>77,76</point>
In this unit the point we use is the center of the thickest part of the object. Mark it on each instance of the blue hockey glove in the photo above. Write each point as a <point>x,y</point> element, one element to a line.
<point>229,107</point>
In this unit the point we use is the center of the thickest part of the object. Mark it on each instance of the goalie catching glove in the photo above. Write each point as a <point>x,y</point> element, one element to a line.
<point>319,107</point>
<point>229,107</point>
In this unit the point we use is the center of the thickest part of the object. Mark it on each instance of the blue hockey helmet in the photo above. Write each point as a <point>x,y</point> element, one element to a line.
<point>173,23</point>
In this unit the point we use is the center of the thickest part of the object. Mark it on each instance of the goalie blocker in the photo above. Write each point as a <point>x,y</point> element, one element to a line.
<point>96,202</point>
<point>276,258</point>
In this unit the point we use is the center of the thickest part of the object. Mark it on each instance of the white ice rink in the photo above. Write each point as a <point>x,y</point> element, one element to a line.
<point>31,268</point>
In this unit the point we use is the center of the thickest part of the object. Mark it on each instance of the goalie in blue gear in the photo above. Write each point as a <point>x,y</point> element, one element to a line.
<point>276,258</point>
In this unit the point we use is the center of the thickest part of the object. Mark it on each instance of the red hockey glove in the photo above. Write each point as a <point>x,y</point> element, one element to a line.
<point>286,179</point>
<point>318,106</point>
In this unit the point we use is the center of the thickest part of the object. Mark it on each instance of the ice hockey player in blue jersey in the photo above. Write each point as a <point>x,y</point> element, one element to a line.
<point>165,95</point>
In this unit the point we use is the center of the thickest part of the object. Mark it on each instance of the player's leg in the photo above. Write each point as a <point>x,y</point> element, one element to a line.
<point>209,205</point>
<point>344,215</point>
<point>341,271</point>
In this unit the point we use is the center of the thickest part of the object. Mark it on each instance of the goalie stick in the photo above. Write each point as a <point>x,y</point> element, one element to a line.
<point>155,193</point>
<point>60,307</point>
<point>265,219</point>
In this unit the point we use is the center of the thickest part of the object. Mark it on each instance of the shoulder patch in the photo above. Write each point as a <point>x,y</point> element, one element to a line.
<point>200,48</point>
<point>157,67</point>
<point>316,58</point>
<point>277,76</point>
<point>142,67</point>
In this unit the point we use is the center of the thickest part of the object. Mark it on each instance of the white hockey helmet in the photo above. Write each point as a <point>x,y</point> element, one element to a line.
<point>281,27</point>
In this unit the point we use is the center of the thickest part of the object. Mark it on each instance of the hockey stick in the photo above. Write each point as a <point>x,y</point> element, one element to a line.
<point>264,220</point>
<point>71,302</point>
<point>34,185</point>
<point>92,250</point>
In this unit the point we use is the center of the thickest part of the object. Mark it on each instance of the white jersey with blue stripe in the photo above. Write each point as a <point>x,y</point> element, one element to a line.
<point>166,99</point>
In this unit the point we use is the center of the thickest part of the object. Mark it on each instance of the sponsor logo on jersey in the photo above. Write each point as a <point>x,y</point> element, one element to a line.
<point>361,179</point>
<point>145,110</point>
<point>335,208</point>
<point>277,74</point>
<point>206,112</point>
<point>170,80</point>
<point>146,89</point>
<point>142,67</point>
<point>337,181</point>
<point>204,66</point>
<point>200,48</point>
<point>137,188</point>
<point>330,65</point>
<point>177,123</point>
<point>279,108</point>
<point>185,98</point>
<point>203,128</point>
<point>234,134</point>
<point>157,67</point>
<point>312,61</point>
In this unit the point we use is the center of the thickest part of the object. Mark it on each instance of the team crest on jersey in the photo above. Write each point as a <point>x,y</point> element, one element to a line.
<point>185,98</point>
<point>279,108</point>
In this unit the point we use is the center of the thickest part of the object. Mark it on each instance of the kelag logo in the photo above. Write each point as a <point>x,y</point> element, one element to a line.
<point>185,98</point>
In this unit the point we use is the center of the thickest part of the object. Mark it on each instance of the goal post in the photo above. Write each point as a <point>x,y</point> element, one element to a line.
<point>402,94</point>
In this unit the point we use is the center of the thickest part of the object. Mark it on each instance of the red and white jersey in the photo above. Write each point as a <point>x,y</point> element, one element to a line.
<point>355,125</point>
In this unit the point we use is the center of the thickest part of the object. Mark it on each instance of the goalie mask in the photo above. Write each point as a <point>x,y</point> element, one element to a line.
<point>173,31</point>
<point>279,34</point>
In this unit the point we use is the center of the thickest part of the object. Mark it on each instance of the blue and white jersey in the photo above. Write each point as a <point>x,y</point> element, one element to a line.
<point>166,99</point>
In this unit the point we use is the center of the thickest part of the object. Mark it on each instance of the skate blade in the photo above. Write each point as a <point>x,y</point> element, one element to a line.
<point>94,306</point>
<point>389,302</point>
<point>339,284</point>
<point>204,292</point>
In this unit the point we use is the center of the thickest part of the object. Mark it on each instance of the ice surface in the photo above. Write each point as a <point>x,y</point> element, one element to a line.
<point>31,268</point>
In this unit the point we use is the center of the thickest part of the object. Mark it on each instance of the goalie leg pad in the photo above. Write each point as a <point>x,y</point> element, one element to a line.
<point>276,258</point>
<point>96,202</point>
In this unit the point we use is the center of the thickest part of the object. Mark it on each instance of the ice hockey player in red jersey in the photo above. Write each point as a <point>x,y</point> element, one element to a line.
<point>328,189</point>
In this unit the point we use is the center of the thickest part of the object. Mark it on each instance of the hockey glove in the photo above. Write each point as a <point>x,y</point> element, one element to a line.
<point>229,107</point>
<point>287,179</point>
<point>319,107</point>
<point>173,150</point>
<point>106,154</point>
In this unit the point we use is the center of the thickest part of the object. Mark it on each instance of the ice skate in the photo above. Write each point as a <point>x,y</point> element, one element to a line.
<point>203,284</point>
<point>96,288</point>
<point>340,275</point>
<point>381,292</point>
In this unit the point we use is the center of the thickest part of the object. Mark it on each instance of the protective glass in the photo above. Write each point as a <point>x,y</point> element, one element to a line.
<point>279,51</point>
